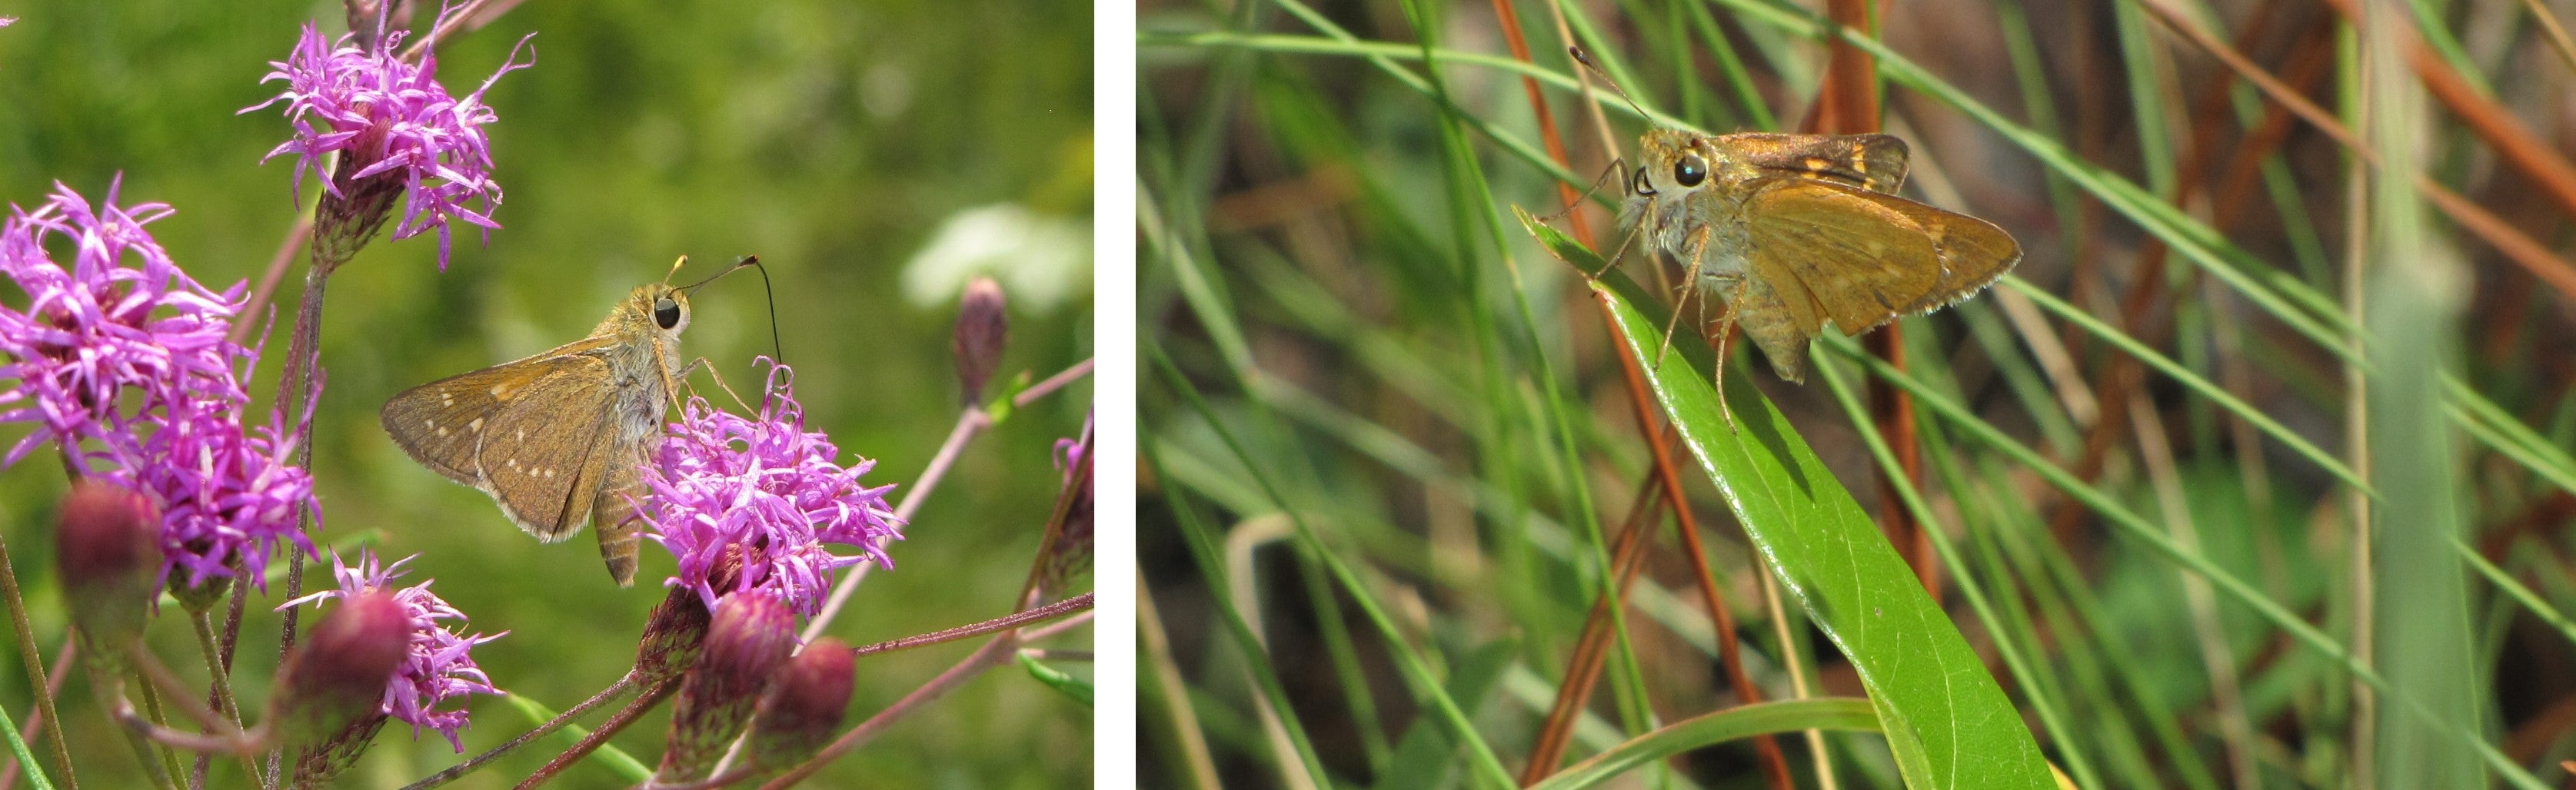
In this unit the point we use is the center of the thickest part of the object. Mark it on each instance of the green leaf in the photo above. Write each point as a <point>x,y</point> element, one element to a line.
<point>1077,688</point>
<point>1564,247</point>
<point>1742,721</point>
<point>1946,719</point>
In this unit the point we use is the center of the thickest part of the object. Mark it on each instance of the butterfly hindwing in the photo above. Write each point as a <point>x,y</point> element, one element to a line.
<point>541,458</point>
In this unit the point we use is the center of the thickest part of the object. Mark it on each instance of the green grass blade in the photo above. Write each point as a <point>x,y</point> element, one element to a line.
<point>1077,689</point>
<point>1742,721</point>
<point>2188,378</point>
<point>26,759</point>
<point>1947,720</point>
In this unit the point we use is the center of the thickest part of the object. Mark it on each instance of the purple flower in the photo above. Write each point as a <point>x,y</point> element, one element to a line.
<point>224,492</point>
<point>389,118</point>
<point>437,667</point>
<point>769,488</point>
<point>124,319</point>
<point>123,316</point>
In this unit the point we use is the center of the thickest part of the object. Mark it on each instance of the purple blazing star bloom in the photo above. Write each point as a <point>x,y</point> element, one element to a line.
<point>768,487</point>
<point>224,492</point>
<point>390,118</point>
<point>123,316</point>
<point>437,668</point>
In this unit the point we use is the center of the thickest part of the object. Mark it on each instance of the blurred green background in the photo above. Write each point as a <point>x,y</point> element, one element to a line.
<point>831,139</point>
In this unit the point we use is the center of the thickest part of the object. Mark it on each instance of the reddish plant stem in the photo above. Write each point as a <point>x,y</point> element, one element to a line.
<point>605,696</point>
<point>1023,618</point>
<point>599,737</point>
<point>2306,63</point>
<point>1511,22</point>
<point>1593,645</point>
<point>1583,669</point>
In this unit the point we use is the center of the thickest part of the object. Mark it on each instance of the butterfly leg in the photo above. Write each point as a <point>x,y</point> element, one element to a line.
<point>1698,244</point>
<point>1725,341</point>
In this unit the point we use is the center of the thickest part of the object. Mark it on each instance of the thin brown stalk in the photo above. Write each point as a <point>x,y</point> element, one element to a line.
<point>1024,617</point>
<point>605,696</point>
<point>2558,39</point>
<point>1848,104</point>
<point>2516,246</point>
<point>1583,669</point>
<point>1775,767</point>
<point>992,654</point>
<point>1155,649</point>
<point>1549,750</point>
<point>2307,63</point>
<point>36,719</point>
<point>2517,146</point>
<point>296,233</point>
<point>599,737</point>
<point>1511,23</point>
<point>28,651</point>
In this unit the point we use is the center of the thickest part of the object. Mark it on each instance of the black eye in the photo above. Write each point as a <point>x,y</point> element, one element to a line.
<point>666,313</point>
<point>1690,171</point>
<point>1640,185</point>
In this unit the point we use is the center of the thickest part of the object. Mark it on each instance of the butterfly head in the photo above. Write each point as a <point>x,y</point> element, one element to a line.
<point>663,308</point>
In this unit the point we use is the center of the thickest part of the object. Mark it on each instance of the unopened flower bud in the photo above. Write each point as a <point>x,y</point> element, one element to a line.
<point>337,676</point>
<point>803,709</point>
<point>751,634</point>
<point>982,329</point>
<point>109,557</point>
<point>673,635</point>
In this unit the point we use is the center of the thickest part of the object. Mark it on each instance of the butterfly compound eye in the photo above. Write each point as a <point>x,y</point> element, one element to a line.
<point>1639,184</point>
<point>666,313</point>
<point>1690,171</point>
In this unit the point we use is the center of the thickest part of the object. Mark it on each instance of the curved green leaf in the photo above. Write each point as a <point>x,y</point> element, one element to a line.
<point>1946,719</point>
<point>1742,721</point>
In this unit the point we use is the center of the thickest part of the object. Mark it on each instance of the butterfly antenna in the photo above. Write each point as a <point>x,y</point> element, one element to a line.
<point>777,351</point>
<point>675,269</point>
<point>1586,59</point>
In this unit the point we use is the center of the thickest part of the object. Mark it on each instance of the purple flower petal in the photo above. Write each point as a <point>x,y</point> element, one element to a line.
<point>390,119</point>
<point>769,487</point>
<point>438,667</point>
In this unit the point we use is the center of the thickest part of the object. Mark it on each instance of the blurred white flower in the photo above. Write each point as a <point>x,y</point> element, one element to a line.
<point>1041,259</point>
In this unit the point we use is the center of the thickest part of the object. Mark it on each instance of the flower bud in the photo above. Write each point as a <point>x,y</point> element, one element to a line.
<point>751,634</point>
<point>673,635</point>
<point>337,676</point>
<point>109,556</point>
<point>677,630</point>
<point>803,709</point>
<point>982,328</point>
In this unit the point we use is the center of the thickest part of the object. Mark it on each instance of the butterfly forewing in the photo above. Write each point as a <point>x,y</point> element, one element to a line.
<point>544,464</point>
<point>501,430</point>
<point>1875,162</point>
